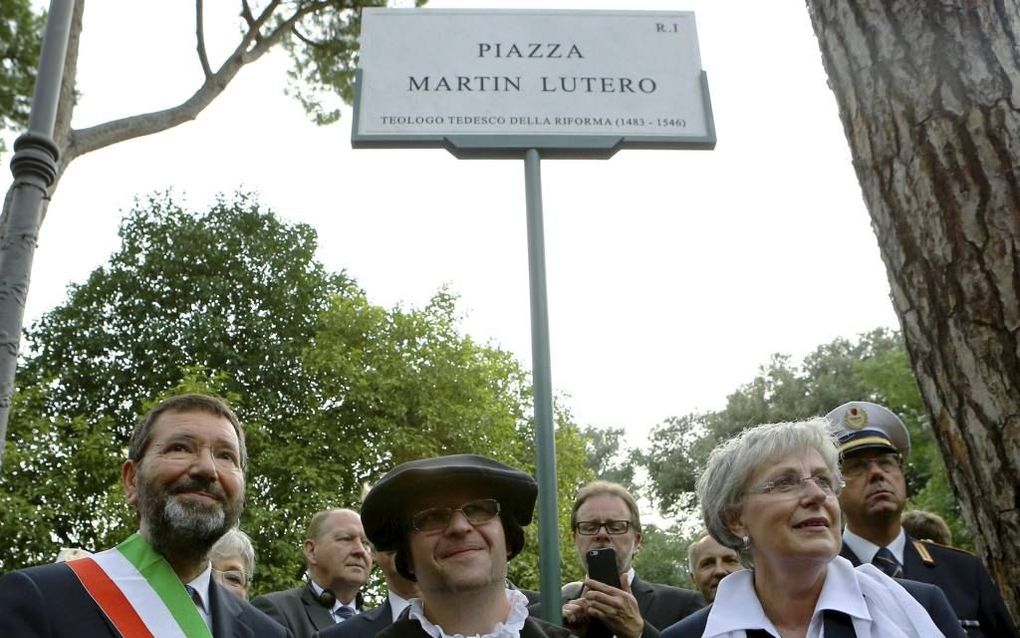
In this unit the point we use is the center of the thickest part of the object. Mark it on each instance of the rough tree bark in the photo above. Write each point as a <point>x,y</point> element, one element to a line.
<point>929,96</point>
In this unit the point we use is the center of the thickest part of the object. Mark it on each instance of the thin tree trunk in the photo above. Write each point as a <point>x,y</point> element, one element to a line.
<point>929,96</point>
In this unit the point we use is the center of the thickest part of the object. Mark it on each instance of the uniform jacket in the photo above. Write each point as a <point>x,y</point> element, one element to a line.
<point>365,625</point>
<point>533,628</point>
<point>965,581</point>
<point>297,610</point>
<point>50,602</point>
<point>837,624</point>
<point>660,605</point>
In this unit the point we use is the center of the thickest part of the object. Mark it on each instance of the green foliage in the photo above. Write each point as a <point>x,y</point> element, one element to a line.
<point>605,459</point>
<point>333,390</point>
<point>324,48</point>
<point>875,368</point>
<point>663,556</point>
<point>20,44</point>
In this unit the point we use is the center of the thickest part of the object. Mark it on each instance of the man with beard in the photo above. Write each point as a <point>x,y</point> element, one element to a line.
<point>185,477</point>
<point>338,563</point>
<point>606,515</point>
<point>709,563</point>
<point>454,522</point>
<point>872,444</point>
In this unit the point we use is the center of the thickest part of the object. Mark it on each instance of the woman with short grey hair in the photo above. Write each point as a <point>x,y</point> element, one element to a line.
<point>770,494</point>
<point>233,562</point>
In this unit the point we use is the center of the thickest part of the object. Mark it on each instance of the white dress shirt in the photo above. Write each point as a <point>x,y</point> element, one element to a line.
<point>865,550</point>
<point>201,585</point>
<point>336,605</point>
<point>877,605</point>
<point>397,604</point>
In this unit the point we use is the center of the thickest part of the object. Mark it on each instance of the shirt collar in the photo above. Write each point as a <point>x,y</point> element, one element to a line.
<point>201,585</point>
<point>737,606</point>
<point>865,550</point>
<point>339,603</point>
<point>841,591</point>
<point>509,628</point>
<point>397,604</point>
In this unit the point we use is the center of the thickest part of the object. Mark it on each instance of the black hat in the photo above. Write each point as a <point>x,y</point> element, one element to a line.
<point>386,513</point>
<point>859,425</point>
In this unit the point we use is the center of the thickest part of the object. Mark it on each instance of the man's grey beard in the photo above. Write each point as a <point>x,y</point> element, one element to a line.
<point>184,530</point>
<point>196,524</point>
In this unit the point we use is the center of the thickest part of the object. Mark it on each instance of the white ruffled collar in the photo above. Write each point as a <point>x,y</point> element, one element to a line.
<point>509,628</point>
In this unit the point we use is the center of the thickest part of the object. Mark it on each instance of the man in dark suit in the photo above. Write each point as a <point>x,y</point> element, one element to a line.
<point>367,624</point>
<point>338,563</point>
<point>606,515</point>
<point>185,477</point>
<point>873,442</point>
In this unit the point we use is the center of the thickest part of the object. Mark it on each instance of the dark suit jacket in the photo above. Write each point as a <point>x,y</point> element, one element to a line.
<point>365,625</point>
<point>533,628</point>
<point>964,580</point>
<point>297,610</point>
<point>930,597</point>
<point>49,601</point>
<point>660,605</point>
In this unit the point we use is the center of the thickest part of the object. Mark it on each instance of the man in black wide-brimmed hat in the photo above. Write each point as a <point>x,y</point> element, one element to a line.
<point>454,522</point>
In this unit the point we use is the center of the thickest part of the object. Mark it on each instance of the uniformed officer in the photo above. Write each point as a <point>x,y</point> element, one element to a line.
<point>873,443</point>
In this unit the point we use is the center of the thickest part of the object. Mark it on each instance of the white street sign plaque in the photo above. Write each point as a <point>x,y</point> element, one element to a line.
<point>493,83</point>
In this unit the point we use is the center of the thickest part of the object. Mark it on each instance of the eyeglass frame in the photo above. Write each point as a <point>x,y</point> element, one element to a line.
<point>195,451</point>
<point>247,577</point>
<point>799,484</point>
<point>448,514</point>
<point>868,461</point>
<point>627,525</point>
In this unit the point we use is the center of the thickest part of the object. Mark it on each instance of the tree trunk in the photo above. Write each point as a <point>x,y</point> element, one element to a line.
<point>929,96</point>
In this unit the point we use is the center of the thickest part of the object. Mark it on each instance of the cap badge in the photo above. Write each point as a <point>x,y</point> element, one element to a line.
<point>855,418</point>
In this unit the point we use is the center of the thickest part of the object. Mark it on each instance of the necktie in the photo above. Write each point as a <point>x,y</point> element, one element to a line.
<point>343,613</point>
<point>885,561</point>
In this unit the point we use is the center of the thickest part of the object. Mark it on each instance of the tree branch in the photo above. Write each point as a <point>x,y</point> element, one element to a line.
<point>82,141</point>
<point>200,37</point>
<point>249,19</point>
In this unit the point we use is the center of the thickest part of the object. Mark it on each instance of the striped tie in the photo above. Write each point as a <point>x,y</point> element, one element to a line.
<point>885,561</point>
<point>343,613</point>
<point>195,597</point>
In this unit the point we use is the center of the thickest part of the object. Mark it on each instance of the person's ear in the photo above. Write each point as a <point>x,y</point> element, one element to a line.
<point>309,551</point>
<point>129,480</point>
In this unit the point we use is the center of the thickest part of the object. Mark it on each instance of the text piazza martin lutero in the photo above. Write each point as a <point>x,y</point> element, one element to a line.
<point>545,84</point>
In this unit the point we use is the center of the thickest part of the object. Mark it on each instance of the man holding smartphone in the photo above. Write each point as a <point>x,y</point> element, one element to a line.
<point>606,517</point>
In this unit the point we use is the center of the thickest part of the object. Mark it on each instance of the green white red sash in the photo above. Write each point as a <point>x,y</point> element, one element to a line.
<point>139,592</point>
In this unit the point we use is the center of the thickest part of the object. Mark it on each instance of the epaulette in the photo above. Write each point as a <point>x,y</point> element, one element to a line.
<point>922,550</point>
<point>941,546</point>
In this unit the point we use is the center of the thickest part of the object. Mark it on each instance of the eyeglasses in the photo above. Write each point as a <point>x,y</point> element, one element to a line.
<point>187,450</point>
<point>857,466</point>
<point>591,528</point>
<point>789,485</point>
<point>233,577</point>
<point>435,519</point>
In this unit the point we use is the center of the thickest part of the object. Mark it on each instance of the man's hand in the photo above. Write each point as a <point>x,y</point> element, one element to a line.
<point>575,616</point>
<point>616,608</point>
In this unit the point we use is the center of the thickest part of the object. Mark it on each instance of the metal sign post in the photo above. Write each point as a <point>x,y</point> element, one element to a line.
<point>545,435</point>
<point>509,84</point>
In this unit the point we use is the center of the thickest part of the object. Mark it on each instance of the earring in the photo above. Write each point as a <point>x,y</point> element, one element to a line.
<point>746,540</point>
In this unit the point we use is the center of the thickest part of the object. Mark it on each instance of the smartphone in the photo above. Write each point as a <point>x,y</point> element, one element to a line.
<point>602,566</point>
